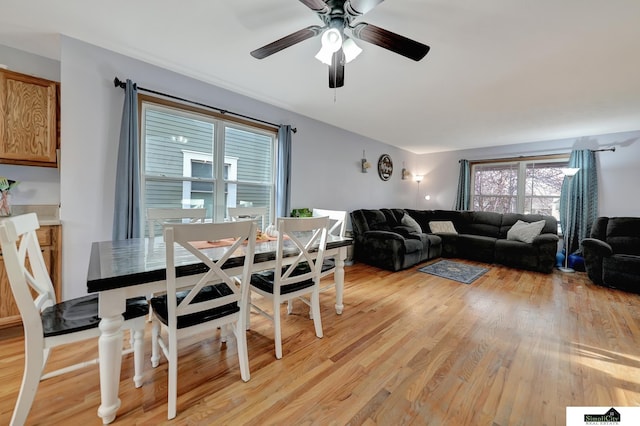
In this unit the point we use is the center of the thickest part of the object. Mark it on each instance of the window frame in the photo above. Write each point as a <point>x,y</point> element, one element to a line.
<point>220,122</point>
<point>521,164</point>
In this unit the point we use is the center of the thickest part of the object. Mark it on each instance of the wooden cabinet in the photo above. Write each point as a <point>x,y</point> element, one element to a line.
<point>49,238</point>
<point>28,120</point>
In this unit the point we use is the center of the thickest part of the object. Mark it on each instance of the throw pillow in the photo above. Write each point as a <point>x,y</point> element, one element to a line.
<point>442,227</point>
<point>411,223</point>
<point>525,231</point>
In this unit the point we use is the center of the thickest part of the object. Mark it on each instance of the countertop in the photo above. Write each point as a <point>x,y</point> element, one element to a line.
<point>47,214</point>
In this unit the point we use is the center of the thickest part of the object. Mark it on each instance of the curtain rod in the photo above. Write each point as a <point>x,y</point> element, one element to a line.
<point>612,149</point>
<point>122,84</point>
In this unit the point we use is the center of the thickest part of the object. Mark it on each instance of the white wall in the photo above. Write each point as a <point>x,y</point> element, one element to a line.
<point>618,172</point>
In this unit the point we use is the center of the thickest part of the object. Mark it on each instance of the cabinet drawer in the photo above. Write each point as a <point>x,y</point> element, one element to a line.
<point>44,236</point>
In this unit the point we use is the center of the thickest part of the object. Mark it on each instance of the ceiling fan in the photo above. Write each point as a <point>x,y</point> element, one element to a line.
<point>337,47</point>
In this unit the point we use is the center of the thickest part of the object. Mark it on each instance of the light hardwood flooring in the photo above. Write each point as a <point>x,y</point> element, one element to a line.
<point>512,348</point>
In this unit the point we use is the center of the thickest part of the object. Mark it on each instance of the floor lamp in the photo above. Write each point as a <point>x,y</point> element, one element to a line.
<point>569,173</point>
<point>418,178</point>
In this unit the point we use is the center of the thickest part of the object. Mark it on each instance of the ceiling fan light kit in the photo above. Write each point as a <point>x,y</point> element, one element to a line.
<point>337,47</point>
<point>331,43</point>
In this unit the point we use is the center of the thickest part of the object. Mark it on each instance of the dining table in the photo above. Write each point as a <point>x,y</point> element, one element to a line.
<point>119,270</point>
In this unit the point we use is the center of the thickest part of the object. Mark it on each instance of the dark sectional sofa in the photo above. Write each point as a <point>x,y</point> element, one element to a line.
<point>382,239</point>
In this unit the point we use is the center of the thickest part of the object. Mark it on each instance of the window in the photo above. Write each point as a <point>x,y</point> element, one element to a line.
<point>193,158</point>
<point>526,185</point>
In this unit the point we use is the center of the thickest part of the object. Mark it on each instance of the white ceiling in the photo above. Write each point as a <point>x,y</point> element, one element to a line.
<point>499,71</point>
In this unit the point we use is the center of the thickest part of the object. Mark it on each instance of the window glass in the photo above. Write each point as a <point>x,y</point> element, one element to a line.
<point>495,187</point>
<point>543,183</point>
<point>198,160</point>
<point>524,186</point>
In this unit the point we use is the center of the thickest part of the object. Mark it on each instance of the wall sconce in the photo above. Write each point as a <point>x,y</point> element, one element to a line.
<point>406,174</point>
<point>427,197</point>
<point>364,163</point>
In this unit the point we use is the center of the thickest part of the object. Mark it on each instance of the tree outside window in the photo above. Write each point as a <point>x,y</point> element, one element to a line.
<point>528,185</point>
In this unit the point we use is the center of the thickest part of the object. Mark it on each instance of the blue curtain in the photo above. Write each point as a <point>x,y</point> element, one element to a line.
<point>283,172</point>
<point>464,187</point>
<point>580,193</point>
<point>126,214</point>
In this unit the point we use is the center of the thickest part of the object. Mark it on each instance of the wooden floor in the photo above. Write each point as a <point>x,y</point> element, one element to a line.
<point>512,348</point>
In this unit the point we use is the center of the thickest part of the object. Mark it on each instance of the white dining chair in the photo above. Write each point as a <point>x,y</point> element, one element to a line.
<point>300,278</point>
<point>337,226</point>
<point>48,324</point>
<point>258,214</point>
<point>156,217</point>
<point>211,298</point>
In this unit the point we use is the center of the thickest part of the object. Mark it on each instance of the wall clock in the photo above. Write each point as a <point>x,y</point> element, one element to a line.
<point>385,167</point>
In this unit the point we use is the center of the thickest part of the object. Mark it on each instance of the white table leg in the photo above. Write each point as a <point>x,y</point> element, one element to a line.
<point>110,352</point>
<point>338,276</point>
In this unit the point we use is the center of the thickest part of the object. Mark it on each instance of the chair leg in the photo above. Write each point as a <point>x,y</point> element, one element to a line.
<point>155,345</point>
<point>137,335</point>
<point>33,366</point>
<point>315,309</point>
<point>224,333</point>
<point>243,356</point>
<point>289,306</point>
<point>172,373</point>
<point>276,328</point>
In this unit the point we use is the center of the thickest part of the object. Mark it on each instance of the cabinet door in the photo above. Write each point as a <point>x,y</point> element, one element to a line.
<point>8,310</point>
<point>28,124</point>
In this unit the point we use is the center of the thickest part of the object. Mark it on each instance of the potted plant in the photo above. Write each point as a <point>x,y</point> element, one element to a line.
<point>6,185</point>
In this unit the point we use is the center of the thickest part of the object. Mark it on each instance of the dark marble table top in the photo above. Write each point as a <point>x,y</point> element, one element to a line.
<point>115,264</point>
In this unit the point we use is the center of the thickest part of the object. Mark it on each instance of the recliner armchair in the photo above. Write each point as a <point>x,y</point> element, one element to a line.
<point>612,253</point>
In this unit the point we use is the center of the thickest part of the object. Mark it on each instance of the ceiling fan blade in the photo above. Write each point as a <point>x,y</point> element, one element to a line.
<point>286,41</point>
<point>391,41</point>
<point>317,6</point>
<point>360,7</point>
<point>336,70</point>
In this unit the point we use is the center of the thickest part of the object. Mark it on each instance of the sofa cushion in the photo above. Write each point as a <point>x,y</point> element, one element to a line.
<point>376,220</point>
<point>481,223</point>
<point>524,231</point>
<point>411,223</point>
<point>442,226</point>
<point>476,247</point>
<point>621,271</point>
<point>623,235</point>
<point>518,254</point>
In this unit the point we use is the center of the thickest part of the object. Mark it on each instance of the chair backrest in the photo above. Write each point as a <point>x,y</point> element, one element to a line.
<point>156,216</point>
<point>25,267</point>
<point>184,236</point>
<point>257,214</point>
<point>300,237</point>
<point>337,220</point>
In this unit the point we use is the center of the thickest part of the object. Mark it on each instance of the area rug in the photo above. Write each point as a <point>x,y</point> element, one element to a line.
<point>456,271</point>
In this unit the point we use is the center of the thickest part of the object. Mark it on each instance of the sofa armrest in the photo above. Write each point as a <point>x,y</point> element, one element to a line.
<point>598,247</point>
<point>545,239</point>
<point>382,235</point>
<point>594,251</point>
<point>402,230</point>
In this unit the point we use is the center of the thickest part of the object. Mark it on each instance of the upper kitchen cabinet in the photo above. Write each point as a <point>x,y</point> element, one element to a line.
<point>28,120</point>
